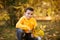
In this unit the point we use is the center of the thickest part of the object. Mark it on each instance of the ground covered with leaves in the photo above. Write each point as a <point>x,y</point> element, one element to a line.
<point>52,31</point>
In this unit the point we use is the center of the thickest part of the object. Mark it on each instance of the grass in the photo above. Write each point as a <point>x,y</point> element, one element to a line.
<point>7,33</point>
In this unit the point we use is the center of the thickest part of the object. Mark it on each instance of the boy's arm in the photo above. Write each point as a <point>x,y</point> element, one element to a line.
<point>21,25</point>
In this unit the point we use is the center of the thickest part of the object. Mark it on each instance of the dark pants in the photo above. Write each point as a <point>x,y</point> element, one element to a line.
<point>22,35</point>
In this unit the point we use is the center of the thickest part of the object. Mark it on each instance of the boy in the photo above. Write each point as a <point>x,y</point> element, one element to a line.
<point>25,25</point>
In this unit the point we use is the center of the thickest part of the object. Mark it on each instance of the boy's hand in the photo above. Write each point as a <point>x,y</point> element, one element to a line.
<point>29,30</point>
<point>32,35</point>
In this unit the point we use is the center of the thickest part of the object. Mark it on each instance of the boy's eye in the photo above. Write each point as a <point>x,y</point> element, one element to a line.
<point>30,14</point>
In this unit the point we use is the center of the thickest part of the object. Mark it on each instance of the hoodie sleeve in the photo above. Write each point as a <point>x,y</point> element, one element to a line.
<point>20,24</point>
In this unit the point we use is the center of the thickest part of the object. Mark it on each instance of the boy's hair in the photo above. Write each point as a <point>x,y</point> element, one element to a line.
<point>29,8</point>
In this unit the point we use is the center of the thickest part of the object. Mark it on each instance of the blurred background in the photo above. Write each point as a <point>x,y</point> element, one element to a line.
<point>46,12</point>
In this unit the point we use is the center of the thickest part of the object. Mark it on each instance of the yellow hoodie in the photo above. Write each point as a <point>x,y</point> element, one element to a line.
<point>26,24</point>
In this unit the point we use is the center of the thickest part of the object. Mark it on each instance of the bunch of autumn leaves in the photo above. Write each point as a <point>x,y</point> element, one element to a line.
<point>39,31</point>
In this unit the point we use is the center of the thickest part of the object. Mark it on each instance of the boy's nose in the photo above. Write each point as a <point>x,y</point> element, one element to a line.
<point>30,15</point>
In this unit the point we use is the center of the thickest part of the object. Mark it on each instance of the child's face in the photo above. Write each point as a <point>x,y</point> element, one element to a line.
<point>29,14</point>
